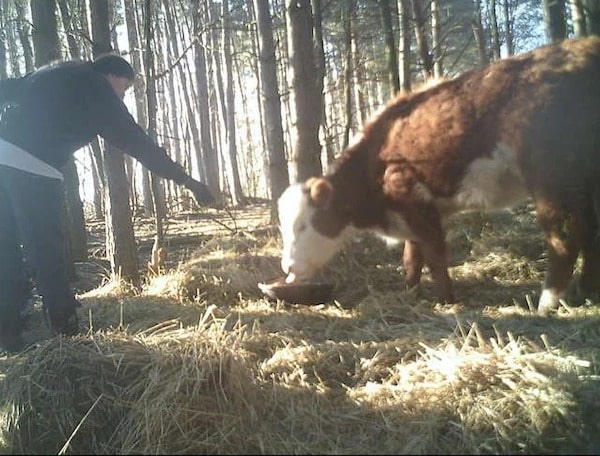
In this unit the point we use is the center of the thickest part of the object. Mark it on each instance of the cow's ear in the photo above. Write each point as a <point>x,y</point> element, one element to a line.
<point>320,191</point>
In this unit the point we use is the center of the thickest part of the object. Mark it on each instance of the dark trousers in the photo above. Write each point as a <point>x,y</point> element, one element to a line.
<point>31,214</point>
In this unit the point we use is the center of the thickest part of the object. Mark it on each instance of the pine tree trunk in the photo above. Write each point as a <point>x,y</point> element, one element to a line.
<point>75,215</point>
<point>404,46</point>
<point>307,148</point>
<point>554,20</point>
<point>207,157</point>
<point>230,125</point>
<point>578,18</point>
<point>278,175</point>
<point>479,34</point>
<point>390,45</point>
<point>421,37</point>
<point>120,239</point>
<point>436,40</point>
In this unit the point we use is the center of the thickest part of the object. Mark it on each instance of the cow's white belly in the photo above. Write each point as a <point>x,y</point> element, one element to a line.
<point>490,183</point>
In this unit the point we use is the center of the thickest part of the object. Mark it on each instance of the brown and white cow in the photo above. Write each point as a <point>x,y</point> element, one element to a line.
<point>526,126</point>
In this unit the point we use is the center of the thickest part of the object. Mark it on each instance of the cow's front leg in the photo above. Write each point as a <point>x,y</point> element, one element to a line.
<point>412,258</point>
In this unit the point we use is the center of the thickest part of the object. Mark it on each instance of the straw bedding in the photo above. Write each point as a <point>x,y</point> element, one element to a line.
<point>199,362</point>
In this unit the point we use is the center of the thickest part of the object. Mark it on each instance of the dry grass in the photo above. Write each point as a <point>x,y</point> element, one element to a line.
<point>200,362</point>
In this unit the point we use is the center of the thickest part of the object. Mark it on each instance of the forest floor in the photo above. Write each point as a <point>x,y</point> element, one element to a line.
<point>199,361</point>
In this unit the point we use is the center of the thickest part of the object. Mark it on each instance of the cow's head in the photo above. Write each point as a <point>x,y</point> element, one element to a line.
<point>313,227</point>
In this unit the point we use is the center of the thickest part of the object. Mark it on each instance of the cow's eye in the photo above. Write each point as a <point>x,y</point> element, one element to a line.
<point>301,227</point>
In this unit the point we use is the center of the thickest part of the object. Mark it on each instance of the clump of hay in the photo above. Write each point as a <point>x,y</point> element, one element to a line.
<point>166,390</point>
<point>476,395</point>
<point>222,269</point>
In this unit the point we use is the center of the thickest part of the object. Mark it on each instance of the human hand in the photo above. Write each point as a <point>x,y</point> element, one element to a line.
<point>201,192</point>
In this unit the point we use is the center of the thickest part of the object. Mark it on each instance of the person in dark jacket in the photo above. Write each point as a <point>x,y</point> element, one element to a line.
<point>46,116</point>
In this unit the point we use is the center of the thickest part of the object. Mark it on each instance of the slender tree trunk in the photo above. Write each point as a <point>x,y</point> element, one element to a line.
<point>3,37</point>
<point>509,34</point>
<point>75,215</point>
<point>390,45</point>
<point>159,209</point>
<point>187,101</point>
<point>436,40</point>
<point>23,31</point>
<point>120,239</point>
<point>97,179</point>
<point>348,24</point>
<point>278,175</point>
<point>307,148</point>
<point>139,91</point>
<point>592,16</point>
<point>264,175</point>
<point>44,32</point>
<point>236,191</point>
<point>67,21</point>
<point>479,33</point>
<point>578,18</point>
<point>320,63</point>
<point>421,37</point>
<point>496,52</point>
<point>208,156</point>
<point>359,85</point>
<point>404,45</point>
<point>555,20</point>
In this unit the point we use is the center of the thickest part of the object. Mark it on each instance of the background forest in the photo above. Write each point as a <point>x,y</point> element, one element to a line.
<point>251,95</point>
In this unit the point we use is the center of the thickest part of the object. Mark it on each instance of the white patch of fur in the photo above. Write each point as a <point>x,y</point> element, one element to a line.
<point>549,301</point>
<point>491,183</point>
<point>305,250</point>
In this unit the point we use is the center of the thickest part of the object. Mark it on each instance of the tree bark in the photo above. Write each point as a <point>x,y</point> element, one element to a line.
<point>307,148</point>
<point>348,24</point>
<point>237,195</point>
<point>278,175</point>
<point>404,45</point>
<point>390,45</point>
<point>436,40</point>
<point>75,216</point>
<point>3,37</point>
<point>479,34</point>
<point>554,20</point>
<point>496,51</point>
<point>578,18</point>
<point>44,32</point>
<point>207,156</point>
<point>421,37</point>
<point>120,239</point>
<point>139,90</point>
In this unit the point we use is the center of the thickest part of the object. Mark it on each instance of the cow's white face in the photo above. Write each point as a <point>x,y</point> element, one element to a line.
<point>311,231</point>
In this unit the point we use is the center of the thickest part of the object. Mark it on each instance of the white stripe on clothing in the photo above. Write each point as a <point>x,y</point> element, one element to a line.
<point>15,157</point>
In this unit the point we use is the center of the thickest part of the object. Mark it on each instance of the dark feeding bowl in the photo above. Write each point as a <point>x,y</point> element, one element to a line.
<point>298,293</point>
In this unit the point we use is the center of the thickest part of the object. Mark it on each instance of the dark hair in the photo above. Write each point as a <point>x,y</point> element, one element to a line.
<point>113,64</point>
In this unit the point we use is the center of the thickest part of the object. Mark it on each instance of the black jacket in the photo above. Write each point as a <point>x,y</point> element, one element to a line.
<point>63,107</point>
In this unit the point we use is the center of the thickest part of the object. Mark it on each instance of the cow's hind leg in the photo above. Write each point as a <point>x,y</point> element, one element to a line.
<point>564,234</point>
